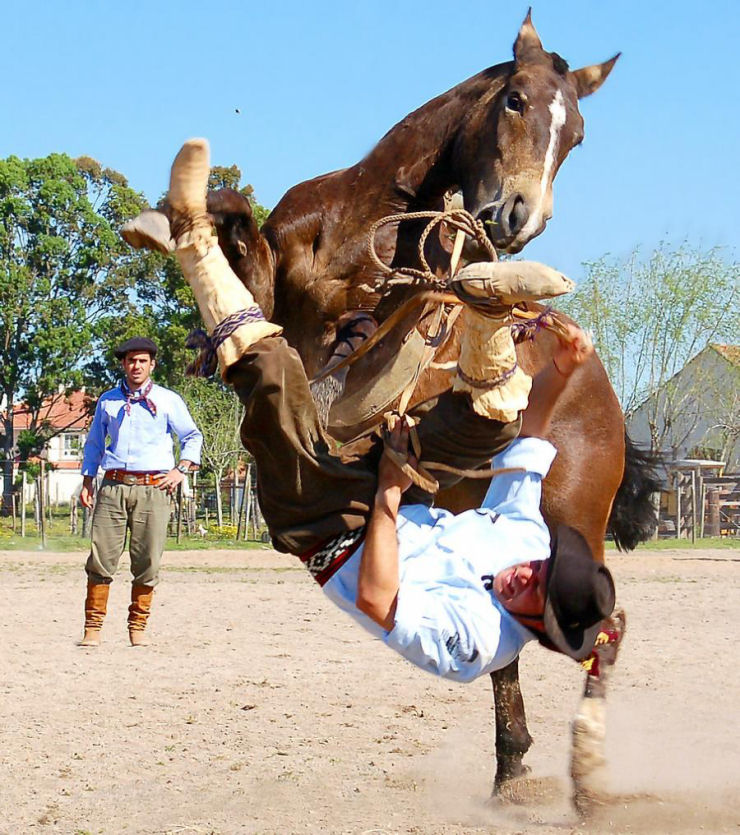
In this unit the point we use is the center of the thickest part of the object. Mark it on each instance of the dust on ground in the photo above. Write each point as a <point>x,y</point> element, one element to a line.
<point>261,709</point>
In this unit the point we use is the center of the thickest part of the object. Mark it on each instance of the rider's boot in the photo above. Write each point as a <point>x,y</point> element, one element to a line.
<point>138,614</point>
<point>230,313</point>
<point>492,285</point>
<point>149,230</point>
<point>487,367</point>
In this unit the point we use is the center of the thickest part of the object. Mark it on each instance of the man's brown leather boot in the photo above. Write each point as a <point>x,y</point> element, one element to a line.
<point>96,605</point>
<point>138,613</point>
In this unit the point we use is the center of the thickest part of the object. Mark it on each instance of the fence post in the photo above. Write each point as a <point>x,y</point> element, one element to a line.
<point>713,527</point>
<point>23,503</point>
<point>677,475</point>
<point>42,520</point>
<point>248,493</point>
<point>178,509</point>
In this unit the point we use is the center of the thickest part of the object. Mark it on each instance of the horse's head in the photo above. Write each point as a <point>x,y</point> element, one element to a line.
<point>516,137</point>
<point>247,252</point>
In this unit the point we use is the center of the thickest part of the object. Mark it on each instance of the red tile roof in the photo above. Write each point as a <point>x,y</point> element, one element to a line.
<point>61,412</point>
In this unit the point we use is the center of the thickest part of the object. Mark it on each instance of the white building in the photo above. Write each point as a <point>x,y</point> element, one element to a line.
<point>68,416</point>
<point>695,414</point>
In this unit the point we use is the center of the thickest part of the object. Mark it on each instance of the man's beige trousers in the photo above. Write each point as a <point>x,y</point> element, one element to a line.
<point>144,510</point>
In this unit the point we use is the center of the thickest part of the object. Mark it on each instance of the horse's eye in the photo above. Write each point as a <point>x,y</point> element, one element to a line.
<point>516,102</point>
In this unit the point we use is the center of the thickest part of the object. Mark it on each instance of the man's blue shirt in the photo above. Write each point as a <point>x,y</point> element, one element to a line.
<point>448,620</point>
<point>139,440</point>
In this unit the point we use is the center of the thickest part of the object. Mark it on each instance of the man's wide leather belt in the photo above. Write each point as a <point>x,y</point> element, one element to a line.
<point>130,478</point>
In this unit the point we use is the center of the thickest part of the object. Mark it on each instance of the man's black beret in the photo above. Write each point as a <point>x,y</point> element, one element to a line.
<point>136,343</point>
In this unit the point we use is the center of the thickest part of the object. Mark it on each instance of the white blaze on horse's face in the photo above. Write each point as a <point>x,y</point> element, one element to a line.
<point>541,210</point>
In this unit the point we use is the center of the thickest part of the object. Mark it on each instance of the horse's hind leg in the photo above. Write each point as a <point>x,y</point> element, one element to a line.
<point>512,737</point>
<point>588,759</point>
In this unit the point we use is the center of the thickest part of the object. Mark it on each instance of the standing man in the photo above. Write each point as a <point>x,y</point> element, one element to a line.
<point>131,439</point>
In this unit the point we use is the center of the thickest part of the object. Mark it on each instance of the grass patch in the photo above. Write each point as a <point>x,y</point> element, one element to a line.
<point>724,543</point>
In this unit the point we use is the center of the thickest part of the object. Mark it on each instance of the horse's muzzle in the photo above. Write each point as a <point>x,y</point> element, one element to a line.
<point>504,220</point>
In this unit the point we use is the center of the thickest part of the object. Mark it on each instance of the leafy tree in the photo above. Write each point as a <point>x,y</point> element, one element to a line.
<point>71,289</point>
<point>651,315</point>
<point>217,413</point>
<point>64,272</point>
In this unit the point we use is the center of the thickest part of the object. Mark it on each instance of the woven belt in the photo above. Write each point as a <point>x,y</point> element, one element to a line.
<point>131,478</point>
<point>325,559</point>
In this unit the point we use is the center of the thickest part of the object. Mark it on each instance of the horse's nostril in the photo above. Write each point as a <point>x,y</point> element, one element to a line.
<point>517,214</point>
<point>485,216</point>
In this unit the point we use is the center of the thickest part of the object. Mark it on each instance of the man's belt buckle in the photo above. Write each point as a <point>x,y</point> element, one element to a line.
<point>129,480</point>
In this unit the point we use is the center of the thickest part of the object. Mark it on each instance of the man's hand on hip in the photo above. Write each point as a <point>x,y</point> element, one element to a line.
<point>170,480</point>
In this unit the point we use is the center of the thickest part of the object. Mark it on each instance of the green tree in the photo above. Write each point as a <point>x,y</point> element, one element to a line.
<point>217,413</point>
<point>64,272</point>
<point>651,315</point>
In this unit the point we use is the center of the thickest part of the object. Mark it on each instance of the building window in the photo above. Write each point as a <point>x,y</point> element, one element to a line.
<point>71,445</point>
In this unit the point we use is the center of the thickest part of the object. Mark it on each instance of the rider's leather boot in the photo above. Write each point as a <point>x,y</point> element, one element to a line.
<point>500,284</point>
<point>487,367</point>
<point>149,230</point>
<point>230,313</point>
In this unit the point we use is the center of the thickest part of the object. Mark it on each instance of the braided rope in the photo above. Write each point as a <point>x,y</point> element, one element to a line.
<point>525,331</point>
<point>205,364</point>
<point>487,385</point>
<point>456,218</point>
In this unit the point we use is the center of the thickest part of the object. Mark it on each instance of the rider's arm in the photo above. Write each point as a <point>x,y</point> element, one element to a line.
<point>378,576</point>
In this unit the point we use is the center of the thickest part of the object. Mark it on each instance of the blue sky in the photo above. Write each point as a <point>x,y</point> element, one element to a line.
<point>317,84</point>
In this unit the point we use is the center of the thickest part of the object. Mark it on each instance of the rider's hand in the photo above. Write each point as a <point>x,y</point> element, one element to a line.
<point>390,476</point>
<point>572,350</point>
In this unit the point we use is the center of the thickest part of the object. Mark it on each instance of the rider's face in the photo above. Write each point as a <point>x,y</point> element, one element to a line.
<point>521,590</point>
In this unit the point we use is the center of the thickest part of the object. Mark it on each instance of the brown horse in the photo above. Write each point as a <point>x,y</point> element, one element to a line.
<point>499,138</point>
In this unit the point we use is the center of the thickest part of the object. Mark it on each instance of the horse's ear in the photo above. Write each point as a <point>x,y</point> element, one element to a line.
<point>589,79</point>
<point>527,41</point>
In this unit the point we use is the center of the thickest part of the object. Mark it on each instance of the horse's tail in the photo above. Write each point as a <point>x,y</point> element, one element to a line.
<point>634,517</point>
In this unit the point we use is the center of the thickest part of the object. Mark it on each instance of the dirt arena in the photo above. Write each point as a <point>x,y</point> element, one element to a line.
<point>259,709</point>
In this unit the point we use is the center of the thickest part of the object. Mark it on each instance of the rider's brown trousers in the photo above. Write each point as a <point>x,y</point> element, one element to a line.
<point>309,490</point>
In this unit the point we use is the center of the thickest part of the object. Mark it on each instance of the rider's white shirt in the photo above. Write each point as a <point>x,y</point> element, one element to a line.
<point>447,619</point>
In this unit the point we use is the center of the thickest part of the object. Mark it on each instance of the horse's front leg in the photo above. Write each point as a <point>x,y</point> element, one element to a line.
<point>588,757</point>
<point>512,737</point>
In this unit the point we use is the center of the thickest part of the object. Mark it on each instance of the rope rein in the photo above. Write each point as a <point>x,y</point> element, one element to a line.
<point>458,219</point>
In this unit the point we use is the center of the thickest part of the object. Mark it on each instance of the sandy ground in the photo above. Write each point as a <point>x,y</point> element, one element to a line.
<point>260,709</point>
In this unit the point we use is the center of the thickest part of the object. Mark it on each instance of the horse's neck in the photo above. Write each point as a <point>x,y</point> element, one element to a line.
<point>412,162</point>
